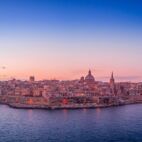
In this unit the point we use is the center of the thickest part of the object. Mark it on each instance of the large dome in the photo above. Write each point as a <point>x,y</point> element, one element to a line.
<point>89,78</point>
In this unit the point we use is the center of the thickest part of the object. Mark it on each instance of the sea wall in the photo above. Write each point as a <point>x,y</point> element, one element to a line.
<point>68,103</point>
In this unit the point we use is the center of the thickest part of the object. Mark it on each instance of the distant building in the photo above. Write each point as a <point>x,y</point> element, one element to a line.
<point>32,79</point>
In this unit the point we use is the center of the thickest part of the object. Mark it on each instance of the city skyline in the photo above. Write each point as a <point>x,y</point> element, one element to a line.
<point>64,39</point>
<point>97,78</point>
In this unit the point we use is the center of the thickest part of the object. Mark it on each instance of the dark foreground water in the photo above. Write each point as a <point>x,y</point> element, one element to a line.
<point>116,124</point>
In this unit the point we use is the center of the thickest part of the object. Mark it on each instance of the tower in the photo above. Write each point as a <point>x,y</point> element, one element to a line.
<point>112,85</point>
<point>112,81</point>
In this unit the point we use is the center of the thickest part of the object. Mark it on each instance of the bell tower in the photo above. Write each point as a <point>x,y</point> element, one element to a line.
<point>112,81</point>
<point>112,85</point>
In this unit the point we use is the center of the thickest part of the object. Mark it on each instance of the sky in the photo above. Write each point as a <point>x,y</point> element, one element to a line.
<point>63,39</point>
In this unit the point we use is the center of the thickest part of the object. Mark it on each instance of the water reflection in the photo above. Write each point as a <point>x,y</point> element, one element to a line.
<point>65,113</point>
<point>30,114</point>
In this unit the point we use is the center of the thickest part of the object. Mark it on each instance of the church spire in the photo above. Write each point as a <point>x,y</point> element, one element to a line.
<point>112,84</point>
<point>112,76</point>
<point>112,79</point>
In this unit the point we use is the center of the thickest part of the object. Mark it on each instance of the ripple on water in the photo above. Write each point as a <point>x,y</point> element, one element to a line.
<point>115,124</point>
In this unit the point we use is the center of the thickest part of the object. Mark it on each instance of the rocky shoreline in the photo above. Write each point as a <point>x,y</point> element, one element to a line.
<point>26,106</point>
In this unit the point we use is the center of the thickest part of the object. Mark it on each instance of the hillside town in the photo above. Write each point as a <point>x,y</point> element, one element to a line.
<point>85,92</point>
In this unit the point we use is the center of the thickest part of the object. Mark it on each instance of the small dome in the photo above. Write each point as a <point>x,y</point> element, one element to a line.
<point>81,79</point>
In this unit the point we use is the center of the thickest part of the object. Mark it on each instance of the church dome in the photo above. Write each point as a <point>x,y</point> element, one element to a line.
<point>89,78</point>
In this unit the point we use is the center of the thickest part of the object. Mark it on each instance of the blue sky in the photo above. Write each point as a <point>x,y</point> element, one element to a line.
<point>64,38</point>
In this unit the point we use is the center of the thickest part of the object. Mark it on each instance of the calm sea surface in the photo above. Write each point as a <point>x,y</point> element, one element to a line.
<point>116,124</point>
